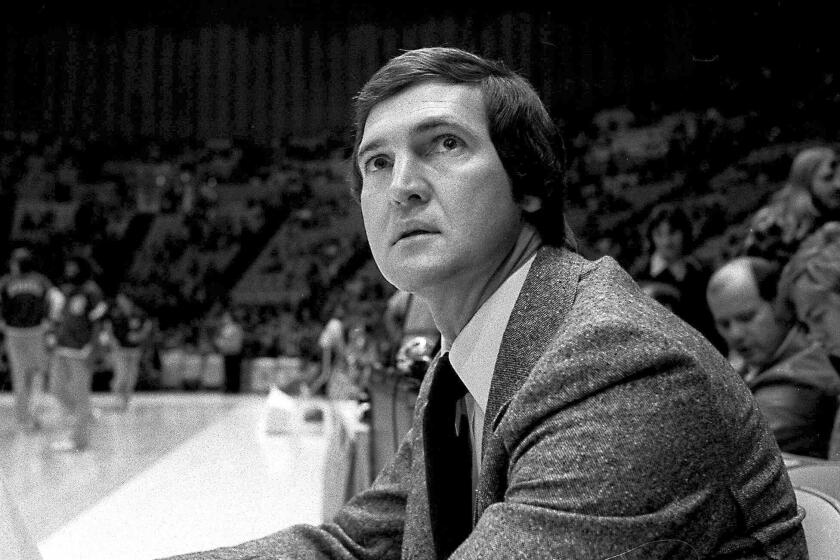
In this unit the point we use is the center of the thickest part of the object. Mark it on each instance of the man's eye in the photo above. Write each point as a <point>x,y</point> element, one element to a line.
<point>376,163</point>
<point>446,143</point>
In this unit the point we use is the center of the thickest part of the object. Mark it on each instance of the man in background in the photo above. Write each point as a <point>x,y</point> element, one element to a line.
<point>76,330</point>
<point>790,376</point>
<point>24,315</point>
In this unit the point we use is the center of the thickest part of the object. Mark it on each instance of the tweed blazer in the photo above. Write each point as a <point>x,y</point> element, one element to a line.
<point>612,430</point>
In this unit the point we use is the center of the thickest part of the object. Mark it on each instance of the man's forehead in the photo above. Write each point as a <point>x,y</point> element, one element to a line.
<point>433,100</point>
<point>735,279</point>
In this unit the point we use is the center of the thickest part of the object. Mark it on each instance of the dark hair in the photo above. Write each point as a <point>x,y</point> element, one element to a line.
<point>675,217</point>
<point>767,274</point>
<point>526,139</point>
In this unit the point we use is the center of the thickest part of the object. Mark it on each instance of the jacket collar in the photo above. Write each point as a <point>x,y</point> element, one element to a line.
<point>542,305</point>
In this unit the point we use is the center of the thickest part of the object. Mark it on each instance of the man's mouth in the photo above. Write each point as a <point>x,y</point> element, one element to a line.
<point>414,233</point>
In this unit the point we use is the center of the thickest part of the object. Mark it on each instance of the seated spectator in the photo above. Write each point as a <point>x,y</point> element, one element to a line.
<point>811,283</point>
<point>670,236</point>
<point>810,198</point>
<point>791,378</point>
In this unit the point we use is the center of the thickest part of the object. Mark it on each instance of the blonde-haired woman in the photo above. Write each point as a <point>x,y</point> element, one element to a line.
<point>811,283</point>
<point>810,198</point>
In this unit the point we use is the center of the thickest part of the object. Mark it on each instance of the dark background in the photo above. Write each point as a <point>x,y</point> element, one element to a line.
<point>262,70</point>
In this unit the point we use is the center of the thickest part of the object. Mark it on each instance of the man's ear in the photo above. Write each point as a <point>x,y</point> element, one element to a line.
<point>530,203</point>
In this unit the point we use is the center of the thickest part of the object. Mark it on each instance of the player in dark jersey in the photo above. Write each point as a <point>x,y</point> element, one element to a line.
<point>129,327</point>
<point>24,314</point>
<point>77,327</point>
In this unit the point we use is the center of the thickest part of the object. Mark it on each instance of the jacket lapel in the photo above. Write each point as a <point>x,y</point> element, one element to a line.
<point>543,303</point>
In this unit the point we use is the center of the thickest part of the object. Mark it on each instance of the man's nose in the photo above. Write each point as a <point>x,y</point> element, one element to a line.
<point>409,183</point>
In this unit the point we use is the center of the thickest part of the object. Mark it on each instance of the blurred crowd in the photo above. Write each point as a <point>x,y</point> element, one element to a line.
<point>263,243</point>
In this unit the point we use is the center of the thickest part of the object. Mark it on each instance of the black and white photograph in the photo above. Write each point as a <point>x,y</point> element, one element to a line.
<point>343,280</point>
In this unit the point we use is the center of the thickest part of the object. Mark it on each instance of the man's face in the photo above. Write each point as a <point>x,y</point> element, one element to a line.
<point>819,309</point>
<point>747,322</point>
<point>436,200</point>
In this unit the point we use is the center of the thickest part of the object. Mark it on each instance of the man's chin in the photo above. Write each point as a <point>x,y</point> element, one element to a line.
<point>415,278</point>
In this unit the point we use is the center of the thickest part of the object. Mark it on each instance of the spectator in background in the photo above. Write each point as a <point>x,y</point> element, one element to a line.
<point>671,270</point>
<point>811,284</point>
<point>24,314</point>
<point>129,328</point>
<point>362,358</point>
<point>810,198</point>
<point>791,378</point>
<point>333,344</point>
<point>76,331</point>
<point>229,340</point>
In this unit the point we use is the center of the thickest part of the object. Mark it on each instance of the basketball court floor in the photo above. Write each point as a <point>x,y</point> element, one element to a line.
<point>177,472</point>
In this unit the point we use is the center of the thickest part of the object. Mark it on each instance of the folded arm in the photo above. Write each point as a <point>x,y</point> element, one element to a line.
<point>623,451</point>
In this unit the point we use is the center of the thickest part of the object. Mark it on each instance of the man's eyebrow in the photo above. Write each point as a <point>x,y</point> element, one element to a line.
<point>369,147</point>
<point>438,122</point>
<point>420,128</point>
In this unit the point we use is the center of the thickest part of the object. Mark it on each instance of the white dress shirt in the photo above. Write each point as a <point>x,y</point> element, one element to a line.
<point>474,351</point>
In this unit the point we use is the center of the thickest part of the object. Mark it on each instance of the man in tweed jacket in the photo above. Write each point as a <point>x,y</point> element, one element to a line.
<point>601,425</point>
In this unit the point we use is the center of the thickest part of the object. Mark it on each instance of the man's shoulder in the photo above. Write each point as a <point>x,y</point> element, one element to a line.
<point>810,366</point>
<point>605,292</point>
<point>609,324</point>
<point>598,296</point>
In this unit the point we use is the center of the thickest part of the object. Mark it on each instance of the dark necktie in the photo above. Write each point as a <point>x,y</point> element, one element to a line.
<point>448,461</point>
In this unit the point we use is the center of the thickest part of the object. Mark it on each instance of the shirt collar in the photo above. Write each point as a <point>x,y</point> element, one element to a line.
<point>474,351</point>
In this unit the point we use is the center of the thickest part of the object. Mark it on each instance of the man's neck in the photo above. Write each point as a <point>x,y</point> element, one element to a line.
<point>453,307</point>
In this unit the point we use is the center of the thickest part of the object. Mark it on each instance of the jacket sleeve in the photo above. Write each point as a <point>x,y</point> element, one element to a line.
<point>368,527</point>
<point>631,450</point>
